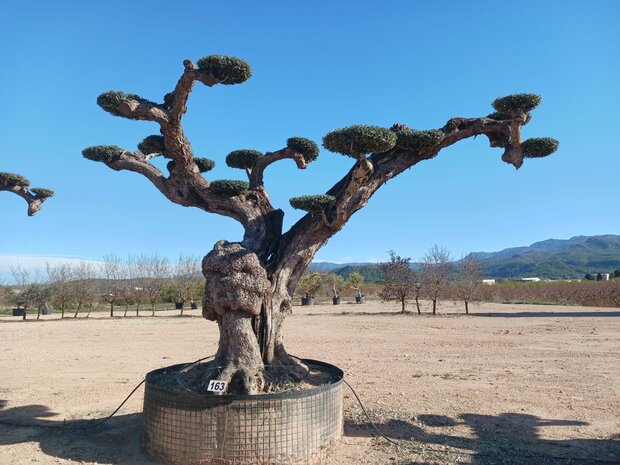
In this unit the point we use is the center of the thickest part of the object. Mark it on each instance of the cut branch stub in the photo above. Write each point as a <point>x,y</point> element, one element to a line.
<point>307,148</point>
<point>539,147</point>
<point>204,164</point>
<point>242,159</point>
<point>12,180</point>
<point>227,70</point>
<point>516,103</point>
<point>359,140</point>
<point>152,144</point>
<point>103,153</point>
<point>229,187</point>
<point>410,139</point>
<point>235,281</point>
<point>313,203</point>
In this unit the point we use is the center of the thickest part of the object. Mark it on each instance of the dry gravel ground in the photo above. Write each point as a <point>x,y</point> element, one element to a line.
<point>505,385</point>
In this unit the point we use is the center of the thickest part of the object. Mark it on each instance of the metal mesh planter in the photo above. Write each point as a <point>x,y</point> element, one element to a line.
<point>293,427</point>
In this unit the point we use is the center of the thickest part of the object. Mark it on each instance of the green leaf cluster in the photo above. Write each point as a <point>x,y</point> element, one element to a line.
<point>102,153</point>
<point>359,140</point>
<point>313,203</point>
<point>42,193</point>
<point>204,164</point>
<point>229,187</point>
<point>410,139</point>
<point>227,70</point>
<point>305,147</point>
<point>242,159</point>
<point>152,144</point>
<point>12,179</point>
<point>516,103</point>
<point>538,147</point>
<point>109,101</point>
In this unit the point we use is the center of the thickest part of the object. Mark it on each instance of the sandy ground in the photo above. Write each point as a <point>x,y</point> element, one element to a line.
<point>504,385</point>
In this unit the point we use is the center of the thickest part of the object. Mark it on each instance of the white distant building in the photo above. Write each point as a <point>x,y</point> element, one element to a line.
<point>604,277</point>
<point>488,281</point>
<point>530,280</point>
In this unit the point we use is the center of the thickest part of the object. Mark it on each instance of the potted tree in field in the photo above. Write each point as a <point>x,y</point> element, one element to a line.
<point>337,284</point>
<point>355,282</point>
<point>308,286</point>
<point>250,284</point>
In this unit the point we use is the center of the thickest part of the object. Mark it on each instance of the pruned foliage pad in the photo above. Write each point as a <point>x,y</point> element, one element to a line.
<point>12,179</point>
<point>229,187</point>
<point>305,147</point>
<point>410,139</point>
<point>102,153</point>
<point>313,203</point>
<point>110,101</point>
<point>227,70</point>
<point>356,141</point>
<point>539,147</point>
<point>242,159</point>
<point>152,144</point>
<point>516,103</point>
<point>42,193</point>
<point>204,164</point>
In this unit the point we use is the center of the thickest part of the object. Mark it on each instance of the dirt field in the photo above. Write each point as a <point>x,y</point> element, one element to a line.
<point>504,385</point>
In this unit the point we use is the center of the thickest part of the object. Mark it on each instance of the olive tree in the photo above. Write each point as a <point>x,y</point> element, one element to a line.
<point>19,185</point>
<point>250,284</point>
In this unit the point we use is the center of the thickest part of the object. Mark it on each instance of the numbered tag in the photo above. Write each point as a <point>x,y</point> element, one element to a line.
<point>216,385</point>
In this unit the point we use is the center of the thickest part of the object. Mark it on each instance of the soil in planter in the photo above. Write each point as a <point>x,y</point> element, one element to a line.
<point>192,379</point>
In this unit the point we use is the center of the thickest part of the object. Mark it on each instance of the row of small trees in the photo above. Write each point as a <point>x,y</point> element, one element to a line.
<point>138,280</point>
<point>431,281</point>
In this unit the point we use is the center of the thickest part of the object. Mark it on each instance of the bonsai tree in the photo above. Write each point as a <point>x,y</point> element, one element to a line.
<point>21,186</point>
<point>250,284</point>
<point>309,284</point>
<point>356,281</point>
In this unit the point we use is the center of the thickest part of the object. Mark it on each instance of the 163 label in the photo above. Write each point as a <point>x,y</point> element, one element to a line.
<point>216,385</point>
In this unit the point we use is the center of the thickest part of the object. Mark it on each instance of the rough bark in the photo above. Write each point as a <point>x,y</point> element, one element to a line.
<point>249,285</point>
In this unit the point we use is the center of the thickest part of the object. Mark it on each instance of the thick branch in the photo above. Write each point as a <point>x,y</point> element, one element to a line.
<point>255,174</point>
<point>142,110</point>
<point>20,186</point>
<point>353,191</point>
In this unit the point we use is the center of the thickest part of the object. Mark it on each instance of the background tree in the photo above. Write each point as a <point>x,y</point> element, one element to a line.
<point>399,280</point>
<point>28,288</point>
<point>355,282</point>
<point>186,271</point>
<point>250,284</point>
<point>136,269</point>
<point>155,270</point>
<point>83,285</point>
<point>19,185</point>
<point>468,279</point>
<point>310,284</point>
<point>60,279</point>
<point>111,272</point>
<point>436,267</point>
<point>336,284</point>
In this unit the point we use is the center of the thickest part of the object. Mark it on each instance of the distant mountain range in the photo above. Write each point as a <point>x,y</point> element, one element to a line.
<point>549,259</point>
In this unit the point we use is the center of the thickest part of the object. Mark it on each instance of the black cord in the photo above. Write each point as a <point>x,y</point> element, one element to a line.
<point>83,426</point>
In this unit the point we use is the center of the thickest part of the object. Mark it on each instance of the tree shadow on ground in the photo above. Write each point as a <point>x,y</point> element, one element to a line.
<point>593,314</point>
<point>114,442</point>
<point>507,439</point>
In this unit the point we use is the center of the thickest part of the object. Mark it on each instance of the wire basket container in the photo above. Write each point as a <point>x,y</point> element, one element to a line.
<point>291,427</point>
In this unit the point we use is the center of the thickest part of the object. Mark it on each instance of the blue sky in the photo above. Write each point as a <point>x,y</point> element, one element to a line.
<point>317,66</point>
